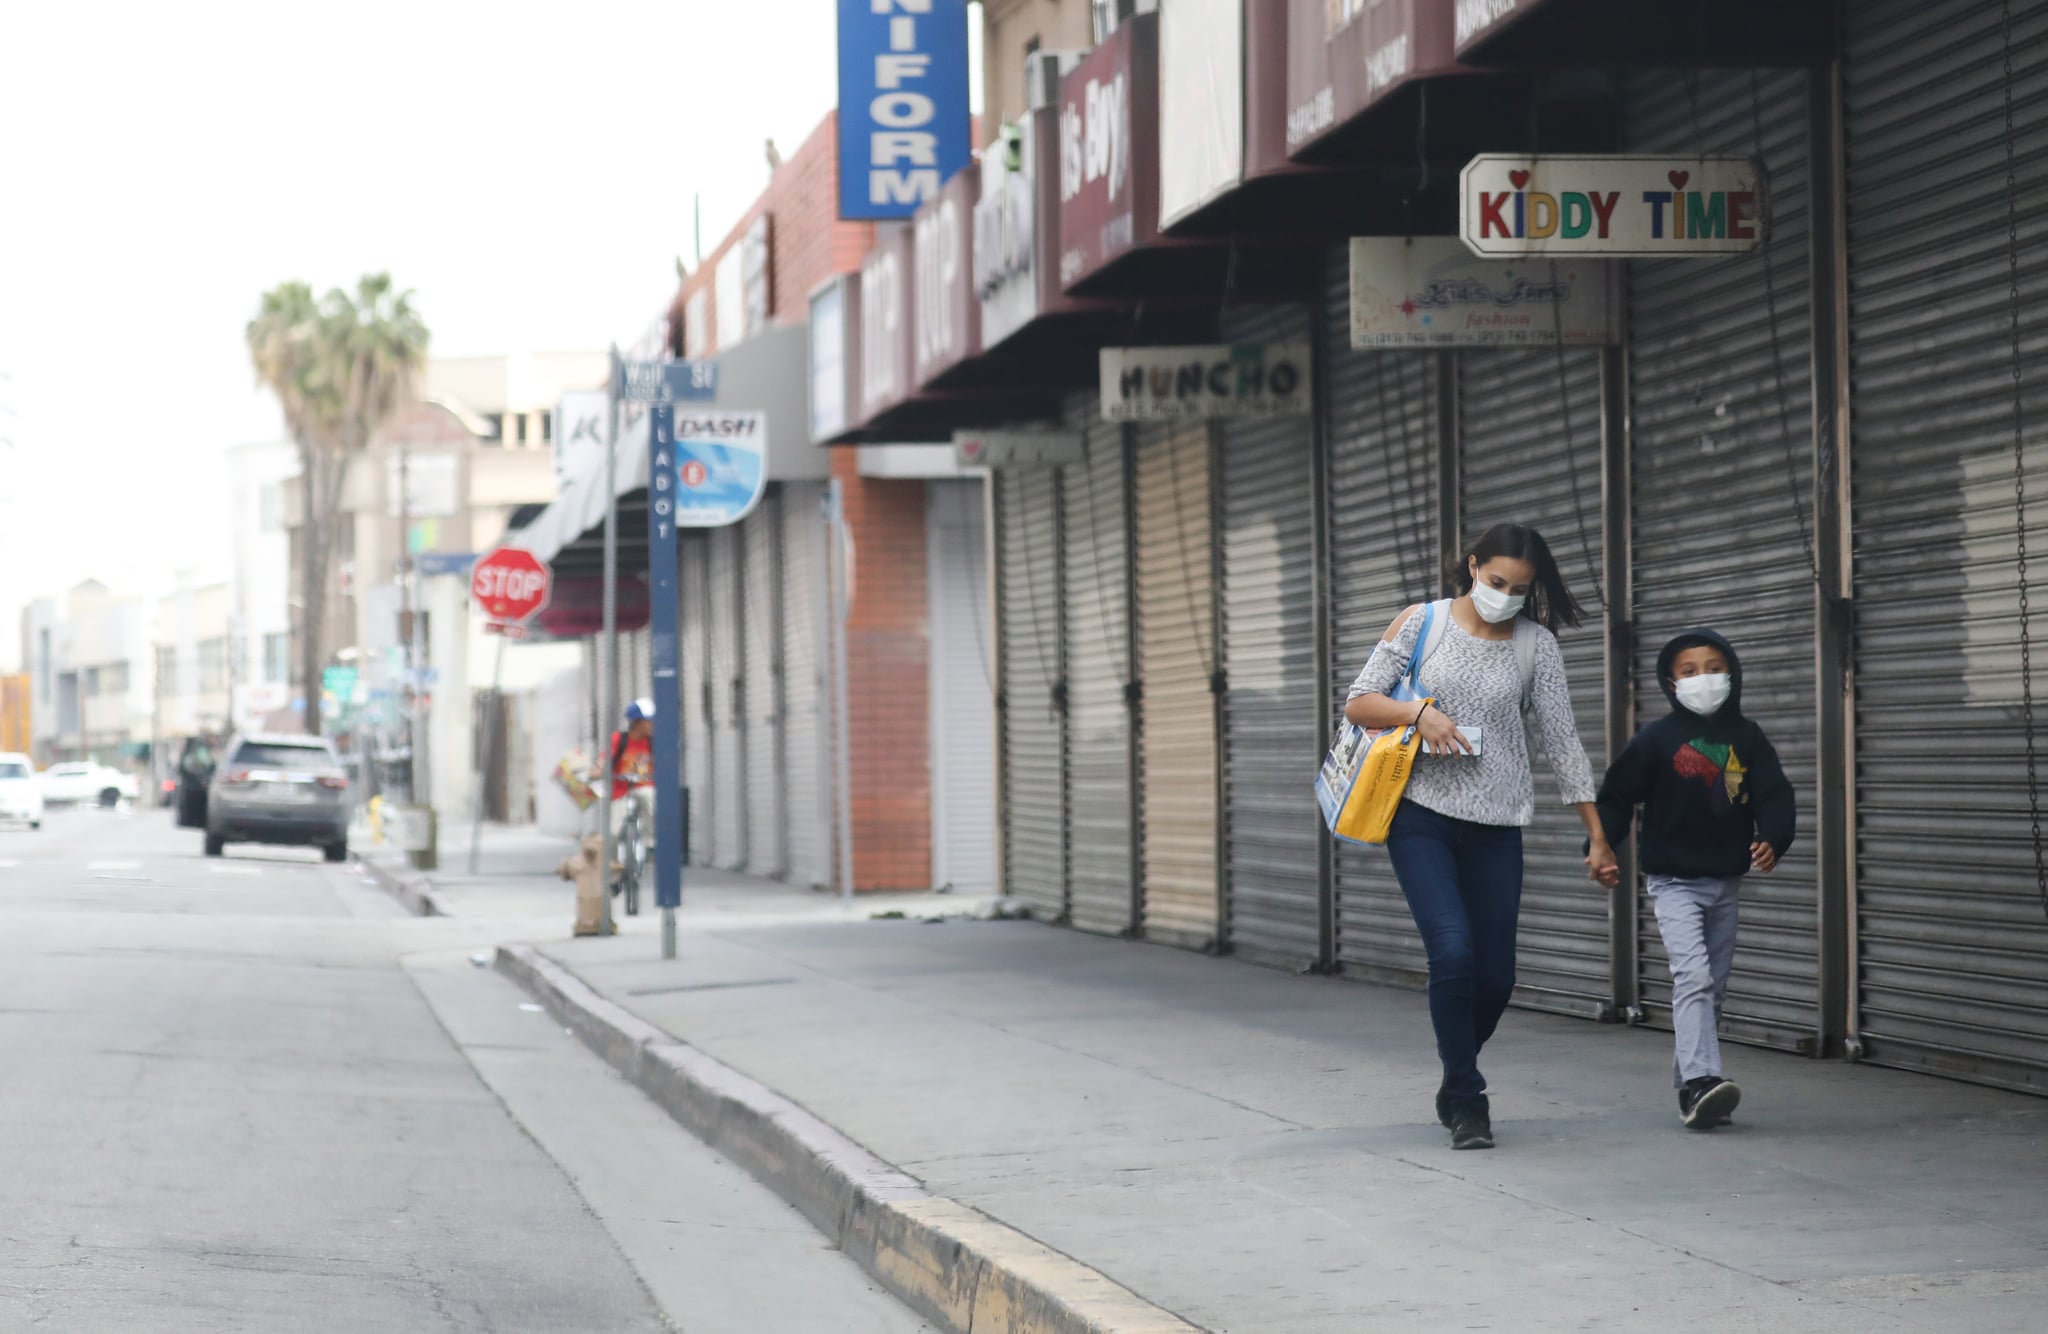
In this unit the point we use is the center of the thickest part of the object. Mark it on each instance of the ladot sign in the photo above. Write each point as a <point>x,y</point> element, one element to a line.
<point>1621,207</point>
<point>903,114</point>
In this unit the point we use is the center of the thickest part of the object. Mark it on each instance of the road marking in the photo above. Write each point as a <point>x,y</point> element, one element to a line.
<point>234,870</point>
<point>113,866</point>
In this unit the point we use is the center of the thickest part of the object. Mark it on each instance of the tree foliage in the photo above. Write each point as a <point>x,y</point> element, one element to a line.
<point>341,366</point>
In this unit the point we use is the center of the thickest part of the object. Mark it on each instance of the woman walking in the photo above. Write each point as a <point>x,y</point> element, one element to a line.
<point>1456,841</point>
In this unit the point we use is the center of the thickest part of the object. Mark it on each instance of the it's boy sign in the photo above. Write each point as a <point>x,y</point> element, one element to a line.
<point>1632,207</point>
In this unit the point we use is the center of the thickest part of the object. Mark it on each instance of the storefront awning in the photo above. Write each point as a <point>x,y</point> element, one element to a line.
<point>1595,33</point>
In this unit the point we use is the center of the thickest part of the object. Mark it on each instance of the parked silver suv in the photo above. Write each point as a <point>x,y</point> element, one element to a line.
<point>279,789</point>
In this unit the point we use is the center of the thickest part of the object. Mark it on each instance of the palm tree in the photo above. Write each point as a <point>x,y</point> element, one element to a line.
<point>341,368</point>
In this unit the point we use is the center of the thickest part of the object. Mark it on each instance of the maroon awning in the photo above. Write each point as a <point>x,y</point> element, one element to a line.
<point>946,319</point>
<point>576,606</point>
<point>1591,34</point>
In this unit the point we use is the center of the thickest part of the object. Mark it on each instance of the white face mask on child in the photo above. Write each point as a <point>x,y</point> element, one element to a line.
<point>1495,606</point>
<point>1705,695</point>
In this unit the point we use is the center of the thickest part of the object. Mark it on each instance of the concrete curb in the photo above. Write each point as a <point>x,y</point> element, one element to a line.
<point>951,1263</point>
<point>411,888</point>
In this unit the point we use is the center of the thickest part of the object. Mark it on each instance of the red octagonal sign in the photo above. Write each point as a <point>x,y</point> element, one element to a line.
<point>510,584</point>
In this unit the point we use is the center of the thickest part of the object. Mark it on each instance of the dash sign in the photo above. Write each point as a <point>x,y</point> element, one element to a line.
<point>903,114</point>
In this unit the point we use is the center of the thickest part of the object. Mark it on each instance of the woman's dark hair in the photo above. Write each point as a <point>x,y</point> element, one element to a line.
<point>1551,605</point>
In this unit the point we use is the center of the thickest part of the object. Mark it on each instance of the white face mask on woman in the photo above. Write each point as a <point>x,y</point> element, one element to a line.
<point>1495,606</point>
<point>1705,695</point>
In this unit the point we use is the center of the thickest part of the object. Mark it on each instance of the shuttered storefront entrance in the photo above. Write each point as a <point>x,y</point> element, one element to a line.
<point>694,632</point>
<point>1382,424</point>
<point>1095,571</point>
<point>728,650</point>
<point>1177,656</point>
<point>1273,731</point>
<point>1951,940</point>
<point>1033,717</point>
<point>806,685</point>
<point>761,543</point>
<point>962,694</point>
<point>1518,464</point>
<point>1722,484</point>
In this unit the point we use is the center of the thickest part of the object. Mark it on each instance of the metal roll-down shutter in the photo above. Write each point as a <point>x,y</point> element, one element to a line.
<point>694,634</point>
<point>1034,690</point>
<point>1951,932</point>
<point>1177,657</point>
<point>806,685</point>
<point>760,616</point>
<point>1382,421</point>
<point>962,695</point>
<point>1517,464</point>
<point>728,694</point>
<point>1099,673</point>
<point>1273,732</point>
<point>1721,462</point>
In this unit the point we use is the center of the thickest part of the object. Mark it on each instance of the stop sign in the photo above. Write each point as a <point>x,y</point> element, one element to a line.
<point>510,585</point>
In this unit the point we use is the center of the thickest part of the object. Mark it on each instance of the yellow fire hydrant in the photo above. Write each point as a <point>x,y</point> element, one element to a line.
<point>585,870</point>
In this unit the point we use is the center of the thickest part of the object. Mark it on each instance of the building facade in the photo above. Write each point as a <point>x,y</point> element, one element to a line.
<point>1815,443</point>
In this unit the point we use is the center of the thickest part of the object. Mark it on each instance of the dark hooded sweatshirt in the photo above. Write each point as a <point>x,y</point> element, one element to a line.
<point>1709,786</point>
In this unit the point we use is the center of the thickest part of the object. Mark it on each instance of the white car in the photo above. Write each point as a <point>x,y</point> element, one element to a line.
<point>81,781</point>
<point>21,797</point>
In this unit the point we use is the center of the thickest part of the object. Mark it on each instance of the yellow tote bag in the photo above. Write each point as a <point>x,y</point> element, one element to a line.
<point>1365,773</point>
<point>1363,779</point>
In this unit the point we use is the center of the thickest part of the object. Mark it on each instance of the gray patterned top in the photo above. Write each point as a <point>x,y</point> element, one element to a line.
<point>1476,681</point>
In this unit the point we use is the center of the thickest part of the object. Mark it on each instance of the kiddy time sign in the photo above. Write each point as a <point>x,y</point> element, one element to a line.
<point>1620,207</point>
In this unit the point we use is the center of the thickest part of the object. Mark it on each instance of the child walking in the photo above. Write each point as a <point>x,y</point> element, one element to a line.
<point>1716,805</point>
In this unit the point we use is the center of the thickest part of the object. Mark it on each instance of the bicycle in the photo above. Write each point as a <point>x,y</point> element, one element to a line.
<point>632,856</point>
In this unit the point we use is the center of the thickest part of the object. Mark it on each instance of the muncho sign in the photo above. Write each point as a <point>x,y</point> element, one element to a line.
<point>1228,380</point>
<point>1429,291</point>
<point>1620,207</point>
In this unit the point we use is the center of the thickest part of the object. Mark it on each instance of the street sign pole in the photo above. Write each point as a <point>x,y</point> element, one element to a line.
<point>661,385</point>
<point>667,655</point>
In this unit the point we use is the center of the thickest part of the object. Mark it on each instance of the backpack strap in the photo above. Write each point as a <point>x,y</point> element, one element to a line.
<point>1436,617</point>
<point>1526,632</point>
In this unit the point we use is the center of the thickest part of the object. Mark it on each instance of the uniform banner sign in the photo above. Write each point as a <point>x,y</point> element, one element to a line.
<point>714,472</point>
<point>903,112</point>
<point>1429,291</point>
<point>1017,449</point>
<point>1622,207</point>
<point>1228,380</point>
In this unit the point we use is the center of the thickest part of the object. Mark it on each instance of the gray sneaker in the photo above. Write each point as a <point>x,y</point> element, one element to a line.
<point>1471,1128</point>
<point>1707,1102</point>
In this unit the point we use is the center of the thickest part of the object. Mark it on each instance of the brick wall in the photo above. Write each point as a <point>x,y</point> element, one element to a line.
<point>808,243</point>
<point>887,651</point>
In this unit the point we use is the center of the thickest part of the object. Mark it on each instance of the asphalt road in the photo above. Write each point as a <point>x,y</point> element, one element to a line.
<point>251,1094</point>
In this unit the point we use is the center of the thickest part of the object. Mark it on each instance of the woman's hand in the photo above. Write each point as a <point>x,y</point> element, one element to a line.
<point>1763,856</point>
<point>1602,865</point>
<point>1441,733</point>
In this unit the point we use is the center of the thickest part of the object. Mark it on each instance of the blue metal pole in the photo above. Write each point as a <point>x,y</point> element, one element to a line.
<point>662,481</point>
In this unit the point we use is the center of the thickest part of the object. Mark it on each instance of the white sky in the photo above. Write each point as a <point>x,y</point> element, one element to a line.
<point>526,168</point>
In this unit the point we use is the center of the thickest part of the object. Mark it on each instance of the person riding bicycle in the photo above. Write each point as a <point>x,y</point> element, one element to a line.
<point>632,770</point>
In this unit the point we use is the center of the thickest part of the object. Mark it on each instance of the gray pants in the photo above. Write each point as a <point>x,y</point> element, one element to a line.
<point>1697,919</point>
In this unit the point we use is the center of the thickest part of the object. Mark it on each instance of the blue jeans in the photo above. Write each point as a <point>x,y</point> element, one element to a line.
<point>1463,883</point>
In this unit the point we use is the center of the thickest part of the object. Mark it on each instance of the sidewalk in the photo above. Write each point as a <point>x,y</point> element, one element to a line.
<point>1255,1151</point>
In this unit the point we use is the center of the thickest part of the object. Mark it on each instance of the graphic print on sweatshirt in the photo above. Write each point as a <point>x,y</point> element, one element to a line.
<point>1715,764</point>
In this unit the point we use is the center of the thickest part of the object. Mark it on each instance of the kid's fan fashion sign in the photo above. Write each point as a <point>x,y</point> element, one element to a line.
<point>1622,207</point>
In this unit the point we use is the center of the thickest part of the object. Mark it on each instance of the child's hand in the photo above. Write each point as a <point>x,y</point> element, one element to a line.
<point>1763,856</point>
<point>1603,866</point>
